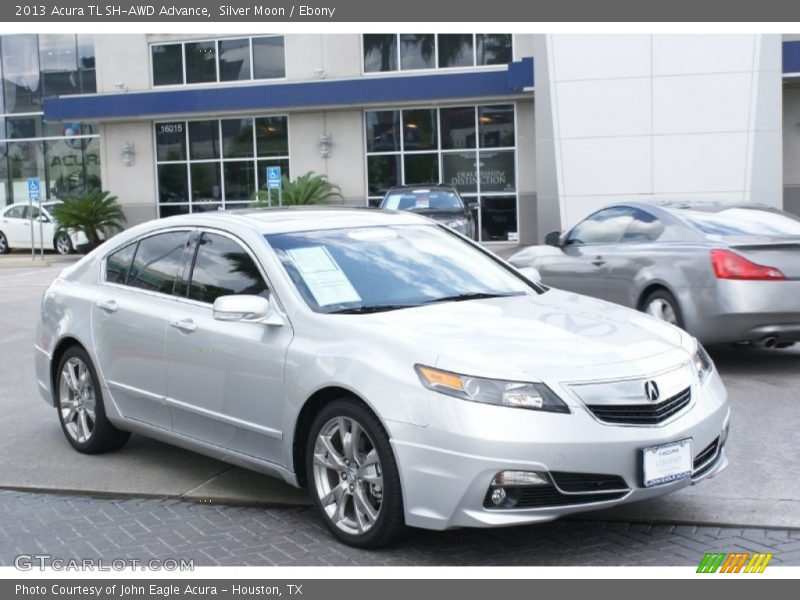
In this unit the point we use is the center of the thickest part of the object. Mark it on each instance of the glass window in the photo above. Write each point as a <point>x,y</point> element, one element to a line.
<point>496,125</point>
<point>25,159</point>
<point>21,73</point>
<point>497,171</point>
<point>494,48</point>
<point>201,62</point>
<point>170,210</point>
<point>173,184</point>
<point>603,227</point>
<point>383,130</point>
<point>421,168</point>
<point>205,183</point>
<point>171,141</point>
<point>383,172</point>
<point>455,50</point>
<point>234,60</point>
<point>167,64</point>
<point>5,194</point>
<point>203,140</point>
<point>458,127</point>
<point>223,268</point>
<point>499,218</point>
<point>283,163</point>
<point>644,227</point>
<point>119,263</point>
<point>459,169</point>
<point>65,168</point>
<point>157,261</point>
<point>269,61</point>
<point>380,52</point>
<point>15,212</point>
<point>237,138</point>
<point>240,180</point>
<point>24,127</point>
<point>420,130</point>
<point>85,51</point>
<point>272,136</point>
<point>58,62</point>
<point>417,51</point>
<point>91,163</point>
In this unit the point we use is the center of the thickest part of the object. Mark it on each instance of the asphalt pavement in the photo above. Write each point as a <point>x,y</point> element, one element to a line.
<point>759,489</point>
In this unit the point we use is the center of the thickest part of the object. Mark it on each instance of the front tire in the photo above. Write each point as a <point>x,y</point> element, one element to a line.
<point>4,247</point>
<point>80,406</point>
<point>662,305</point>
<point>63,244</point>
<point>353,476</point>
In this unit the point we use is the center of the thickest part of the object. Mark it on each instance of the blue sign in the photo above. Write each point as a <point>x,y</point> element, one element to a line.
<point>33,188</point>
<point>273,178</point>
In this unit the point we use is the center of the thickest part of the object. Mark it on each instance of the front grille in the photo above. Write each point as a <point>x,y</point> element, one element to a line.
<point>607,487</point>
<point>642,414</point>
<point>705,460</point>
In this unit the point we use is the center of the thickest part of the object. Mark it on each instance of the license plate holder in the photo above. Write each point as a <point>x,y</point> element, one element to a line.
<point>667,463</point>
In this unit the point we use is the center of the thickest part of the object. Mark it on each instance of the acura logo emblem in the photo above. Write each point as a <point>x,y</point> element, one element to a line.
<point>651,390</point>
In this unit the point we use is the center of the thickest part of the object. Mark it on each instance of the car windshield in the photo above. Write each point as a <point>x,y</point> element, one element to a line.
<point>427,200</point>
<point>744,221</point>
<point>370,269</point>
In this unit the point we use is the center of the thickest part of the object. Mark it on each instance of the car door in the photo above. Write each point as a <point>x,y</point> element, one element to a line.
<point>129,323</point>
<point>16,226</point>
<point>582,264</point>
<point>226,379</point>
<point>43,230</point>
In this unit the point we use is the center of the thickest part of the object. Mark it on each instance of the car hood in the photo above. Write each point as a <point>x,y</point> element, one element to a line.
<point>556,334</point>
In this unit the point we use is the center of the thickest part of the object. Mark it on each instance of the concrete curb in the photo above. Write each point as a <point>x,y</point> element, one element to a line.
<point>25,262</point>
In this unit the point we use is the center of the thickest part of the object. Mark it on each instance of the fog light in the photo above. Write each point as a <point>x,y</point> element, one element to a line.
<point>520,478</point>
<point>498,496</point>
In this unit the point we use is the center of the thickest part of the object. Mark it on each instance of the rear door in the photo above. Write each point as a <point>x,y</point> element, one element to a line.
<point>16,226</point>
<point>129,323</point>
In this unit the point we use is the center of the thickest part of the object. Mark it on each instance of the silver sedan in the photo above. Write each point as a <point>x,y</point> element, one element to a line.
<point>402,373</point>
<point>723,273</point>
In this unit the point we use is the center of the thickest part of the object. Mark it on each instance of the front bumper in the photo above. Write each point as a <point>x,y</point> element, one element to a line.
<point>446,468</point>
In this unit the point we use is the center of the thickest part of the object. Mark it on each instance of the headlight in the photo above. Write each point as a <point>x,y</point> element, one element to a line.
<point>459,225</point>
<point>702,363</point>
<point>516,394</point>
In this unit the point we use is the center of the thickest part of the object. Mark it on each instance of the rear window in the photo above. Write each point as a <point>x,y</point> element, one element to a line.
<point>744,221</point>
<point>119,263</point>
<point>423,200</point>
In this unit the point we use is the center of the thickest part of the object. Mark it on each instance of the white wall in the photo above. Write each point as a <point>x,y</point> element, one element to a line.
<point>660,116</point>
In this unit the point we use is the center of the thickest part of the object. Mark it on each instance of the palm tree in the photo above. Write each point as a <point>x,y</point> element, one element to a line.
<point>310,188</point>
<point>94,213</point>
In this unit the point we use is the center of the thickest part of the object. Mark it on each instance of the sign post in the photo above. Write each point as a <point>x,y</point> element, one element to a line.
<point>274,183</point>
<point>34,194</point>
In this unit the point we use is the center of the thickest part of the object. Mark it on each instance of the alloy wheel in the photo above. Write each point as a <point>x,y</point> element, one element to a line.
<point>662,310</point>
<point>348,475</point>
<point>3,244</point>
<point>63,245</point>
<point>77,400</point>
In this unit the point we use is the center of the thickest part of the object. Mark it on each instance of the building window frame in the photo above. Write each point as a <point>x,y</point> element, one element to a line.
<point>477,149</point>
<point>221,160</point>
<point>436,68</point>
<point>216,41</point>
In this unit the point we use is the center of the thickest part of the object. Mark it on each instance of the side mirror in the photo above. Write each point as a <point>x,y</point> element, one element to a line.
<point>553,239</point>
<point>42,219</point>
<point>246,308</point>
<point>531,273</point>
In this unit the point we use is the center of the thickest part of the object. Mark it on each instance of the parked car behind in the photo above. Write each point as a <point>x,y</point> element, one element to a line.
<point>441,203</point>
<point>404,374</point>
<point>15,229</point>
<point>724,273</point>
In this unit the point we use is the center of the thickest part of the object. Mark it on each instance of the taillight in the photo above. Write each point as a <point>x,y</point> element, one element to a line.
<point>729,265</point>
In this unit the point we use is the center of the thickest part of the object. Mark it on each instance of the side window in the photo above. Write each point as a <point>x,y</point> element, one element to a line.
<point>606,226</point>
<point>644,227</point>
<point>157,261</point>
<point>223,268</point>
<point>16,212</point>
<point>119,264</point>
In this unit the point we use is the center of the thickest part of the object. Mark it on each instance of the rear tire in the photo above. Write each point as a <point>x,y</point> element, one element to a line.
<point>662,305</point>
<point>353,476</point>
<point>4,247</point>
<point>80,405</point>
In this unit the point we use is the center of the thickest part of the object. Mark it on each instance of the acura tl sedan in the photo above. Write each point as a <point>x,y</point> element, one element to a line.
<point>725,273</point>
<point>402,373</point>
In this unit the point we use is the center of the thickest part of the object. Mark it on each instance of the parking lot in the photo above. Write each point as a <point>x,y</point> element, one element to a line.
<point>757,493</point>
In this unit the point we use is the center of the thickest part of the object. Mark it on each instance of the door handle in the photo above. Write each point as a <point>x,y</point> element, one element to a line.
<point>598,261</point>
<point>185,325</point>
<point>109,306</point>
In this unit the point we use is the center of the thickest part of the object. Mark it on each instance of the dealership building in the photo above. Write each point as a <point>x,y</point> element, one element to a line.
<point>536,131</point>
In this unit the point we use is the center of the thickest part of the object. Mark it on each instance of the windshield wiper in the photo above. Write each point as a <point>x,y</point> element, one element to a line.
<point>369,308</point>
<point>473,296</point>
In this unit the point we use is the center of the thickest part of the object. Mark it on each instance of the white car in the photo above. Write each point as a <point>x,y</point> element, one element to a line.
<point>401,372</point>
<point>15,229</point>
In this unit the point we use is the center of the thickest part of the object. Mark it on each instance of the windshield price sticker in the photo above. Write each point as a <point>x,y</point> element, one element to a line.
<point>323,276</point>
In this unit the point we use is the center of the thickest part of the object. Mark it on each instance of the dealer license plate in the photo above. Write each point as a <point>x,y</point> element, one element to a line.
<point>667,462</point>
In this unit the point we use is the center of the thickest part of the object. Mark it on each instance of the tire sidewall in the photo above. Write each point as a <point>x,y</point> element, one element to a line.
<point>385,529</point>
<point>666,296</point>
<point>5,249</point>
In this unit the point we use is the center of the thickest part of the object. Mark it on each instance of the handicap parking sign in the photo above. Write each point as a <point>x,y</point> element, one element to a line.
<point>273,178</point>
<point>33,188</point>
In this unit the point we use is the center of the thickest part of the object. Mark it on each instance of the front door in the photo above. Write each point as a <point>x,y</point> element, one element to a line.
<point>226,379</point>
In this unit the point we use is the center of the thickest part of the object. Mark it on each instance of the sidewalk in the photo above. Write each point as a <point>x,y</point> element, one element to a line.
<point>21,259</point>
